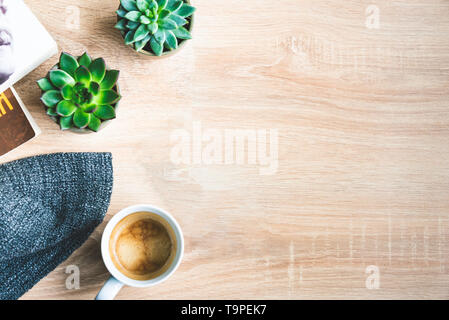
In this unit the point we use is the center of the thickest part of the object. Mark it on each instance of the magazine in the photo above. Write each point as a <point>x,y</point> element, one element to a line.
<point>24,42</point>
<point>16,124</point>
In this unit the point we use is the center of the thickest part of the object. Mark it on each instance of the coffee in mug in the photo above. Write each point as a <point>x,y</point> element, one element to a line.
<point>142,246</point>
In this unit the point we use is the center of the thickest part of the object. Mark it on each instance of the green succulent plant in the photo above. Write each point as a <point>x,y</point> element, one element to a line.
<point>80,92</point>
<point>154,25</point>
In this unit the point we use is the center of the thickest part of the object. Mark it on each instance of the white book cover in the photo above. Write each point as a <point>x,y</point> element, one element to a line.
<point>24,42</point>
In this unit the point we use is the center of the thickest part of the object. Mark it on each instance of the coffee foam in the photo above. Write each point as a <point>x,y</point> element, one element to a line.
<point>141,247</point>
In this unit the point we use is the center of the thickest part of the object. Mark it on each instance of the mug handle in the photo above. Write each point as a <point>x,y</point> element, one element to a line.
<point>110,289</point>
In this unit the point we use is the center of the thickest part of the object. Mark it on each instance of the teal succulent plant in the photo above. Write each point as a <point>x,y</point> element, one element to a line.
<point>154,25</point>
<point>80,93</point>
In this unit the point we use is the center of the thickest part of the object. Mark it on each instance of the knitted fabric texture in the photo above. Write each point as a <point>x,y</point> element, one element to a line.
<point>49,205</point>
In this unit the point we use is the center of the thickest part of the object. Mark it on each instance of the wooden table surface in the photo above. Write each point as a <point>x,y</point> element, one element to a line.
<point>357,204</point>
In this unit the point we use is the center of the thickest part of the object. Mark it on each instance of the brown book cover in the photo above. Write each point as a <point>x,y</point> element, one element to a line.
<point>16,124</point>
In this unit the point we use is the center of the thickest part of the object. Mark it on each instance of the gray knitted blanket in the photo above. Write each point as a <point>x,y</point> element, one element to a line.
<point>49,205</point>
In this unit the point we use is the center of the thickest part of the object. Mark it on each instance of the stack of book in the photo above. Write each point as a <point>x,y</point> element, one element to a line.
<point>24,45</point>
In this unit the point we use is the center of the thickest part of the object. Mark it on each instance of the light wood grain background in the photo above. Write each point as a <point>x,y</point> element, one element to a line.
<point>363,130</point>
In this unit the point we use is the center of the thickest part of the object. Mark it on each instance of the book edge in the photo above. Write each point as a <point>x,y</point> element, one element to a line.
<point>36,129</point>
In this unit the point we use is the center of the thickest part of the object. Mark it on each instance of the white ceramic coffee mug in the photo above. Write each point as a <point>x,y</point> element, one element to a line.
<point>118,279</point>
